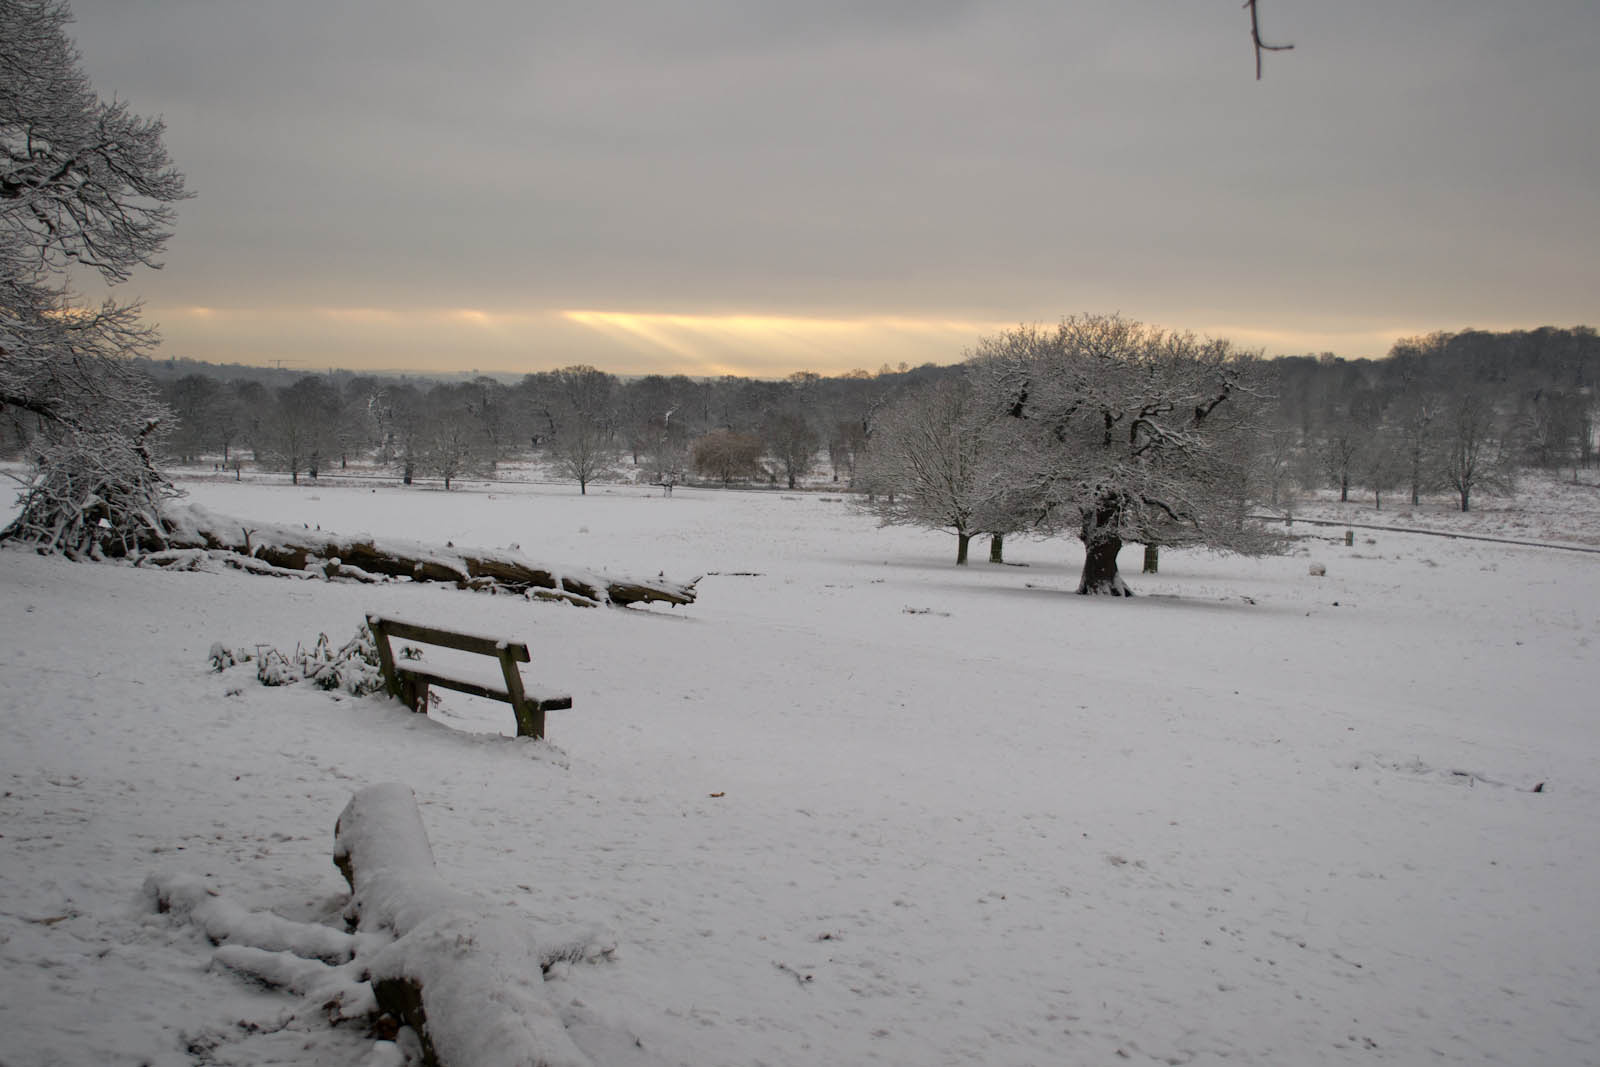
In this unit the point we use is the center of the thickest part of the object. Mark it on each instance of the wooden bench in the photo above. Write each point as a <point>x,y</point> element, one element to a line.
<point>410,684</point>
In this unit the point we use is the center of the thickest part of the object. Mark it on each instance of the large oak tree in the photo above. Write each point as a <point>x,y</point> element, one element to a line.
<point>1121,432</point>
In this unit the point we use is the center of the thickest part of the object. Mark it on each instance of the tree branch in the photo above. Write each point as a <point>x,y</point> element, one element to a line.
<point>1255,38</point>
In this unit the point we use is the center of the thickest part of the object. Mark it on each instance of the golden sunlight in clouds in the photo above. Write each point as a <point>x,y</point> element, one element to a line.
<point>765,345</point>
<point>360,315</point>
<point>422,340</point>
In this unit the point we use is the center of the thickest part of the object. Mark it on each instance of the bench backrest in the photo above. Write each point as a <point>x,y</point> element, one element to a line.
<point>432,635</point>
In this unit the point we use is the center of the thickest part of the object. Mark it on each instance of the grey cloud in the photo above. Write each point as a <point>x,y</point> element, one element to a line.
<point>1005,159</point>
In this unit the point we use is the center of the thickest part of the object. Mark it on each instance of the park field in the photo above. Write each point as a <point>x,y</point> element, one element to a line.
<point>855,804</point>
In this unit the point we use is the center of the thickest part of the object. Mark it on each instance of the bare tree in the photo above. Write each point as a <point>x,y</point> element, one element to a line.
<point>1550,425</point>
<point>1473,450</point>
<point>928,466</point>
<point>793,443</point>
<point>487,403</point>
<point>83,184</point>
<point>300,431</point>
<point>1279,448</point>
<point>582,443</point>
<point>452,449</point>
<point>1351,431</point>
<point>1382,464</point>
<point>402,410</point>
<point>1122,432</point>
<point>196,401</point>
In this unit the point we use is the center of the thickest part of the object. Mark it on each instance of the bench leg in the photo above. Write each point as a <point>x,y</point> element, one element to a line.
<point>530,719</point>
<point>414,694</point>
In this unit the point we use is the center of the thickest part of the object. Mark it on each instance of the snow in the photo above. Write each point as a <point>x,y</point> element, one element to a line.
<point>854,805</point>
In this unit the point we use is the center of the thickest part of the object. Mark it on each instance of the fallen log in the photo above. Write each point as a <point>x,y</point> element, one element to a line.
<point>468,981</point>
<point>361,558</point>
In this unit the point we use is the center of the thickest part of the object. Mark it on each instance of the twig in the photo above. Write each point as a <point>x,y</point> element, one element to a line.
<point>801,979</point>
<point>1255,38</point>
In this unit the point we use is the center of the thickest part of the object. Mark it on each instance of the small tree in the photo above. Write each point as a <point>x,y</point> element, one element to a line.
<point>399,415</point>
<point>582,442</point>
<point>1473,450</point>
<point>1383,465</point>
<point>300,432</point>
<point>794,444</point>
<point>928,462</point>
<point>452,448</point>
<point>1344,447</point>
<point>724,455</point>
<point>195,400</point>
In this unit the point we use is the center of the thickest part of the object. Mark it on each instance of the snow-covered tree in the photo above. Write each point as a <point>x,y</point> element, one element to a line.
<point>83,184</point>
<point>930,466</point>
<point>1122,432</point>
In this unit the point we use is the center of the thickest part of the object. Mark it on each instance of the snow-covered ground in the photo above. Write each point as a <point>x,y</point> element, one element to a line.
<point>1544,507</point>
<point>855,805</point>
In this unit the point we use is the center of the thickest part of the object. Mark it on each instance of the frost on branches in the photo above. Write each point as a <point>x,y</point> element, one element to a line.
<point>932,465</point>
<point>83,183</point>
<point>1121,432</point>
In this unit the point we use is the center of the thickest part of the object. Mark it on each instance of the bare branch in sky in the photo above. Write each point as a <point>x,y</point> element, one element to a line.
<point>1255,38</point>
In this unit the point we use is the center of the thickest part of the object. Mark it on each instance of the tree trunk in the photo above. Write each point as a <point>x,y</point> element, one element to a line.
<point>997,548</point>
<point>1100,577</point>
<point>298,549</point>
<point>1152,559</point>
<point>962,540</point>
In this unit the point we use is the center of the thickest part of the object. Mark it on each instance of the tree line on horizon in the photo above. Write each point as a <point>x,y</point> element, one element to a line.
<point>1332,418</point>
<point>1378,426</point>
<point>943,446</point>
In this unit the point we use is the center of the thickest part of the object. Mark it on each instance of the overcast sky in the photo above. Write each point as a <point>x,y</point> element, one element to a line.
<point>757,187</point>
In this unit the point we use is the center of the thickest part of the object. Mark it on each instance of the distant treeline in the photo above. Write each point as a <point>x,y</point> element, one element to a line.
<point>1525,397</point>
<point>1449,411</point>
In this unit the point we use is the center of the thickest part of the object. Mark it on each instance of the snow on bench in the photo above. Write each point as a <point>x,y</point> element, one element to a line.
<point>410,684</point>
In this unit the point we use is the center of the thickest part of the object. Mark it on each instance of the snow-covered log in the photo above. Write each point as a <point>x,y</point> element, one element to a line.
<point>469,981</point>
<point>362,557</point>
